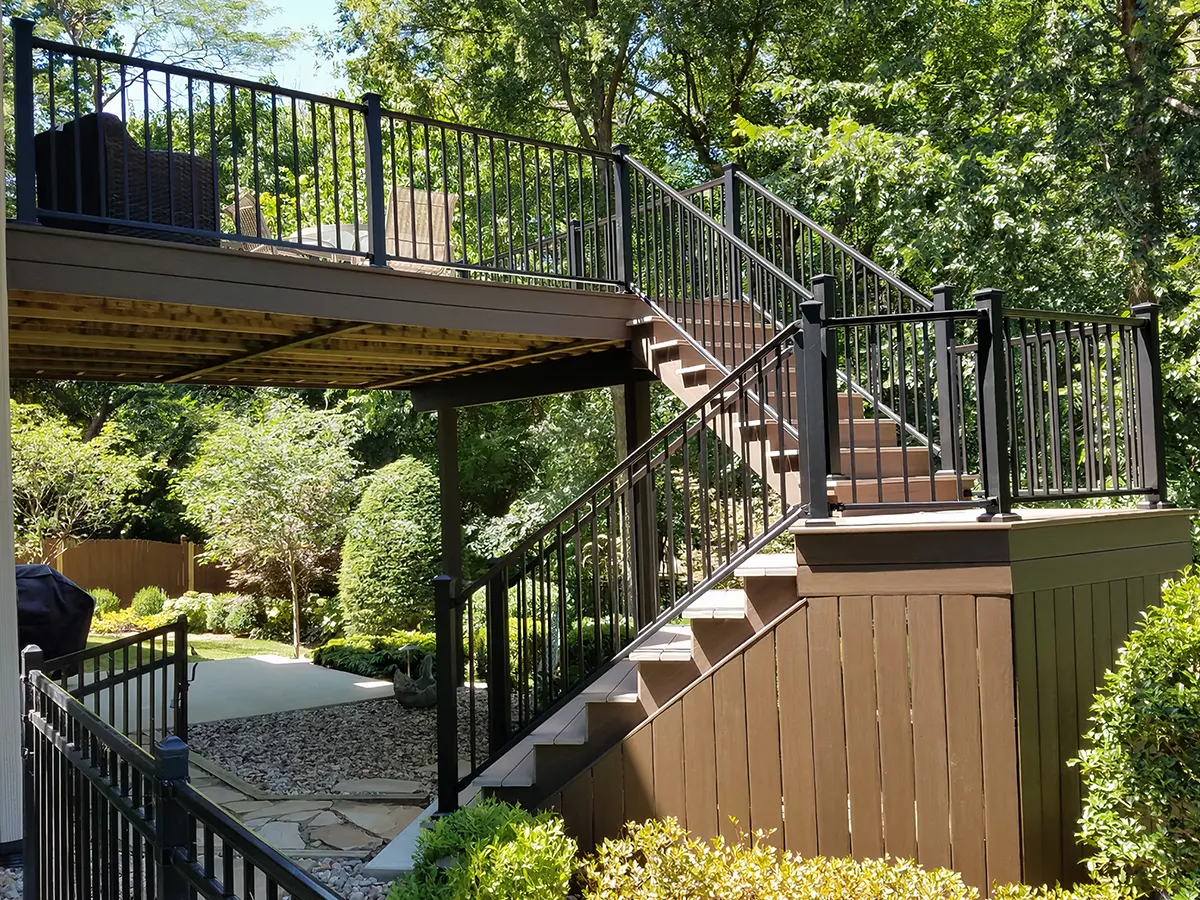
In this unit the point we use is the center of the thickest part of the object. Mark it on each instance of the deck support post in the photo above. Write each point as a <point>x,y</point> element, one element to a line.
<point>815,463</point>
<point>645,526</point>
<point>624,204</point>
<point>451,509</point>
<point>447,610</point>
<point>376,203</point>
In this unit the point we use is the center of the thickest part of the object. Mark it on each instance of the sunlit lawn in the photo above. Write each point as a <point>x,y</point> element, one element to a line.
<point>200,647</point>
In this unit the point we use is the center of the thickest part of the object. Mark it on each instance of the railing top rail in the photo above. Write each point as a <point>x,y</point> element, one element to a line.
<point>706,186</point>
<point>292,94</point>
<point>940,315</point>
<point>108,647</point>
<point>277,868</point>
<point>113,739</point>
<point>584,498</point>
<point>709,222</point>
<point>1049,315</point>
<point>909,291</point>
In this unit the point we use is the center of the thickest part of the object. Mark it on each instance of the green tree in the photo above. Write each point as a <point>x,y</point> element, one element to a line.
<point>392,550</point>
<point>64,488</point>
<point>274,488</point>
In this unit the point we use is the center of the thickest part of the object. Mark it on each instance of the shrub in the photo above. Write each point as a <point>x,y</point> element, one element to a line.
<point>192,605</point>
<point>1104,890</point>
<point>149,600</point>
<point>1142,771</point>
<point>126,621</point>
<point>376,657</point>
<point>391,551</point>
<point>245,614</point>
<point>217,611</point>
<point>106,601</point>
<point>502,853</point>
<point>320,619</point>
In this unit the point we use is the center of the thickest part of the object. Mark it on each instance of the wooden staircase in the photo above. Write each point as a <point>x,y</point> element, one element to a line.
<point>634,688</point>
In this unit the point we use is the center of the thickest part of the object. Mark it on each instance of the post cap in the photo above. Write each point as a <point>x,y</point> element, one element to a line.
<point>621,149</point>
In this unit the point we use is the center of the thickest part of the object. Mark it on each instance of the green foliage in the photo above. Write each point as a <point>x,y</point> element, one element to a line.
<point>658,860</point>
<point>149,600</point>
<point>1142,770</point>
<point>503,853</point>
<point>217,609</point>
<point>1103,890</point>
<point>193,605</point>
<point>106,601</point>
<point>375,656</point>
<point>320,618</point>
<point>244,615</point>
<point>274,489</point>
<point>391,552</point>
<point>126,621</point>
<point>65,488</point>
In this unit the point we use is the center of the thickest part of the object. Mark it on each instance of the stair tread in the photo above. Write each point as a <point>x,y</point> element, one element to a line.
<point>768,564</point>
<point>718,603</point>
<point>671,643</point>
<point>571,733</point>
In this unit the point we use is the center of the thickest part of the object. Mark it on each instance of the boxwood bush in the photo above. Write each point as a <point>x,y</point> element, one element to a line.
<point>149,601</point>
<point>194,606</point>
<point>1142,770</point>
<point>391,552</point>
<point>490,851</point>
<point>106,601</point>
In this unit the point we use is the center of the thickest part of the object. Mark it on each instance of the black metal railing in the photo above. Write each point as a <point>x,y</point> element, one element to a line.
<point>136,684</point>
<point>106,819</point>
<point>110,143</point>
<point>985,406</point>
<point>671,520</point>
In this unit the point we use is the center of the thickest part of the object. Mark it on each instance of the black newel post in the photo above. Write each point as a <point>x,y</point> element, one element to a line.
<point>624,200</point>
<point>31,851</point>
<point>575,252</point>
<point>1150,406</point>
<point>181,679</point>
<point>446,611</point>
<point>376,199</point>
<point>823,293</point>
<point>171,822</point>
<point>814,466</point>
<point>731,205</point>
<point>22,77</point>
<point>992,378</point>
<point>499,675</point>
<point>946,369</point>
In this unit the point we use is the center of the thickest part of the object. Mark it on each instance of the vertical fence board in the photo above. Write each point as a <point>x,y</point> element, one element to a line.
<point>608,792</point>
<point>1068,724</point>
<point>997,706</point>
<point>1102,644</point>
<point>762,740</point>
<point>669,797</point>
<point>796,735</point>
<point>1134,588</point>
<point>963,737</point>
<point>1118,599</point>
<point>829,727</point>
<point>1085,670</point>
<point>1051,765</point>
<point>700,759</point>
<point>576,803</point>
<point>929,730</point>
<point>639,776</point>
<point>862,727</point>
<point>729,717</point>
<point>895,727</point>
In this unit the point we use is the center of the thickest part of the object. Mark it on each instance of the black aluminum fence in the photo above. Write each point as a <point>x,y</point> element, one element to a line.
<point>136,684</point>
<point>673,519</point>
<point>994,406</point>
<point>111,143</point>
<point>107,820</point>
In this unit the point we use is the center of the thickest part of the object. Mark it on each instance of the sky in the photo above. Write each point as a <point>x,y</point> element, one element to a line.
<point>309,70</point>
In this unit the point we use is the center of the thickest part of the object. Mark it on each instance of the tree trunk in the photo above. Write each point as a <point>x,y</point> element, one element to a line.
<point>295,608</point>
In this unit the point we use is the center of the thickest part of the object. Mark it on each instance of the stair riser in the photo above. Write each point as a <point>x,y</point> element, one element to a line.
<point>767,596</point>
<point>869,465</point>
<point>712,639</point>
<point>658,682</point>
<point>918,491</point>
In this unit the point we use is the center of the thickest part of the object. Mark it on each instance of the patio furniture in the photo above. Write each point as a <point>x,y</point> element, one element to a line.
<point>247,217</point>
<point>91,166</point>
<point>328,241</point>
<point>418,226</point>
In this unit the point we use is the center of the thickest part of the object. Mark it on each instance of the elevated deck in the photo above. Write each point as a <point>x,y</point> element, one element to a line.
<point>112,308</point>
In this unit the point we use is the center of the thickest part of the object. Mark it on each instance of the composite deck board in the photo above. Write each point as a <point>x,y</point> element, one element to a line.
<point>963,737</point>
<point>929,729</point>
<point>897,775</point>
<point>796,735</point>
<point>729,719</point>
<point>829,727</point>
<point>862,729</point>
<point>997,711</point>
<point>762,739</point>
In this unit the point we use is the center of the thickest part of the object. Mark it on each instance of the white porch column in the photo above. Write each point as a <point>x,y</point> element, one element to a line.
<point>10,663</point>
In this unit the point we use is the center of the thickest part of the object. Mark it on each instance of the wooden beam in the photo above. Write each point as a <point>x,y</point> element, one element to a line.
<point>254,354</point>
<point>215,320</point>
<point>515,359</point>
<point>602,368</point>
<point>127,345</point>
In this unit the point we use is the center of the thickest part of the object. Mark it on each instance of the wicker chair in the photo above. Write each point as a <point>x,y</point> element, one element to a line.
<point>91,166</point>
<point>247,218</point>
<point>418,226</point>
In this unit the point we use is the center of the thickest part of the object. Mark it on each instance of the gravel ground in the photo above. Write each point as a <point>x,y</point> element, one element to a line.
<point>343,876</point>
<point>10,884</point>
<point>309,751</point>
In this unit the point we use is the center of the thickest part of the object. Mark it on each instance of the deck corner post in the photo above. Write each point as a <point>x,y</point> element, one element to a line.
<point>814,466</point>
<point>499,675</point>
<point>376,201</point>
<point>823,292</point>
<point>171,823</point>
<point>23,122</point>
<point>1148,364</point>
<point>32,660</point>
<point>946,362</point>
<point>992,383</point>
<point>181,679</point>
<point>731,208</point>
<point>575,260</point>
<point>624,203</point>
<point>446,609</point>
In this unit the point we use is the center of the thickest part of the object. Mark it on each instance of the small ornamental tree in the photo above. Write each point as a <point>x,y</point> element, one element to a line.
<point>1142,769</point>
<point>66,489</point>
<point>391,553</point>
<point>274,489</point>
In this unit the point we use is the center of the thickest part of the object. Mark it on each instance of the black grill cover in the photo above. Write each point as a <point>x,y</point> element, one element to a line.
<point>52,611</point>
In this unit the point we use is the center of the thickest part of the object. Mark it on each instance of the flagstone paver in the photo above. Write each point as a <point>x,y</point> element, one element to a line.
<point>344,837</point>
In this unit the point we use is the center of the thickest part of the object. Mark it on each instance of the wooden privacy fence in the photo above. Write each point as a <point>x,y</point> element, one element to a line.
<point>935,727</point>
<point>127,566</point>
